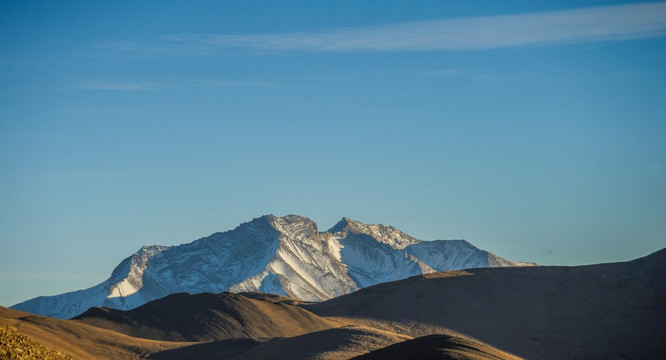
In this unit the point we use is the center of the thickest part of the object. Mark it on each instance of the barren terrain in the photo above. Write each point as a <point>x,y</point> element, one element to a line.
<point>611,311</point>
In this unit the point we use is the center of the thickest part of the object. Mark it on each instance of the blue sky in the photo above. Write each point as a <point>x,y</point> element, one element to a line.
<point>534,130</point>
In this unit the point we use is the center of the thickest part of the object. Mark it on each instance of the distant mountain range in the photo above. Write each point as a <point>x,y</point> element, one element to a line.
<point>281,255</point>
<point>603,311</point>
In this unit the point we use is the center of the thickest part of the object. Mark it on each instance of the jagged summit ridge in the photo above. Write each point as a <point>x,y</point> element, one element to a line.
<point>282,255</point>
<point>385,234</point>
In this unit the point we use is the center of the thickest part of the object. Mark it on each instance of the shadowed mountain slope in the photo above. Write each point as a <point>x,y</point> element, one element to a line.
<point>438,347</point>
<point>207,317</point>
<point>280,255</point>
<point>605,311</point>
<point>339,343</point>
<point>611,311</point>
<point>81,341</point>
<point>214,350</point>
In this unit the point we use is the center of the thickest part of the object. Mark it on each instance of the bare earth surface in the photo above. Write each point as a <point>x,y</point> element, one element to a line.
<point>606,311</point>
<point>82,341</point>
<point>14,345</point>
<point>208,317</point>
<point>438,347</point>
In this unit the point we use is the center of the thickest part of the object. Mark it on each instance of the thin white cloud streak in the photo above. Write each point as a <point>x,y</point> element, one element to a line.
<point>607,23</point>
<point>175,84</point>
<point>163,47</point>
<point>122,86</point>
<point>492,77</point>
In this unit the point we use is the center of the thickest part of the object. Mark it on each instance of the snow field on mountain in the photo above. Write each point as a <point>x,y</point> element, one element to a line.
<point>282,255</point>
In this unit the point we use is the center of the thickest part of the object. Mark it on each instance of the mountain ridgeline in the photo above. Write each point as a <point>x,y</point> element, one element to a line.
<point>280,255</point>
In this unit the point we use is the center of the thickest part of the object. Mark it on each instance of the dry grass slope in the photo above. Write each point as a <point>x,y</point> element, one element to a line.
<point>208,317</point>
<point>14,345</point>
<point>438,347</point>
<point>81,341</point>
<point>332,344</point>
<point>610,311</point>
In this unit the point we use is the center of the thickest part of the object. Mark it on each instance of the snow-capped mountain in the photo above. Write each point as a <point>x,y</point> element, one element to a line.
<point>281,255</point>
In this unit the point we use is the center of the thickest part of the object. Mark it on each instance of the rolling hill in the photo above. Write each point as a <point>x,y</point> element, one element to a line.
<point>281,255</point>
<point>610,311</point>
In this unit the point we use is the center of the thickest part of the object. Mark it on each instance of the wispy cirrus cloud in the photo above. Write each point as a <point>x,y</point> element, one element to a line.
<point>607,23</point>
<point>122,86</point>
<point>166,85</point>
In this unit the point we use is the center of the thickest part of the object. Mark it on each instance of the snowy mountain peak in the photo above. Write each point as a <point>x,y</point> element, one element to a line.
<point>340,226</point>
<point>384,234</point>
<point>294,223</point>
<point>282,255</point>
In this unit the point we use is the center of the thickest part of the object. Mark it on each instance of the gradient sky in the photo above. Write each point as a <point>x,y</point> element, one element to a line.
<point>534,130</point>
